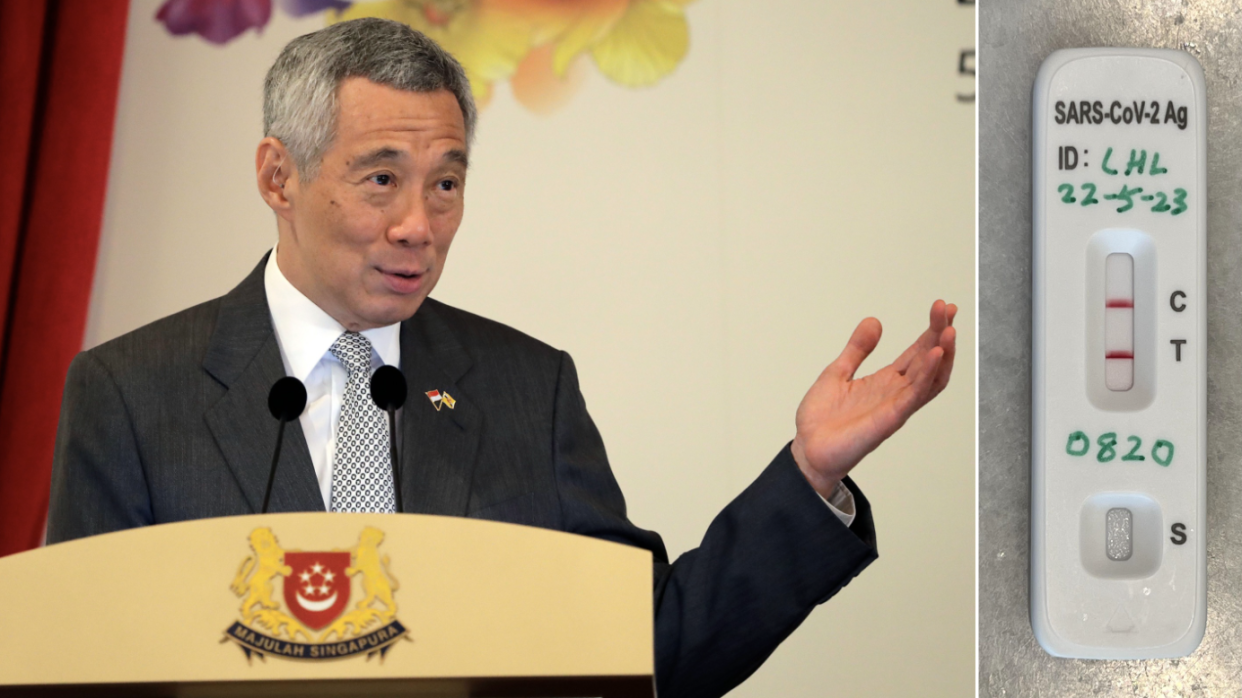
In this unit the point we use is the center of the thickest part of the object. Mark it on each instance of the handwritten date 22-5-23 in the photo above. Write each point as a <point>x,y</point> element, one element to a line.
<point>1127,197</point>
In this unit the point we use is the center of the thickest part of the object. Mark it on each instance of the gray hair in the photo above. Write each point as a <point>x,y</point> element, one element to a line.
<point>299,95</point>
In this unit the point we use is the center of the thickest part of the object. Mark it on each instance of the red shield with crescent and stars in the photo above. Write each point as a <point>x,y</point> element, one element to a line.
<point>317,590</point>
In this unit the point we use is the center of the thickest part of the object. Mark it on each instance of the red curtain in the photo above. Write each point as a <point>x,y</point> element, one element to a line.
<point>60,67</point>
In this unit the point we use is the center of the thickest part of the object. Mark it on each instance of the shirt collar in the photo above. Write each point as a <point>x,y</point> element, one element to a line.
<point>305,332</point>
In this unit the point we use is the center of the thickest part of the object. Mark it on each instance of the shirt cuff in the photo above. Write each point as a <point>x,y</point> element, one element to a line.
<point>841,503</point>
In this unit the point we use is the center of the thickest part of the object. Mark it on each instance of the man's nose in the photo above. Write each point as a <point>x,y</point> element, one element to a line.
<point>414,227</point>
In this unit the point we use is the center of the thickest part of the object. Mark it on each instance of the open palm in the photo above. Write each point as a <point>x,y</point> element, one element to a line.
<point>842,418</point>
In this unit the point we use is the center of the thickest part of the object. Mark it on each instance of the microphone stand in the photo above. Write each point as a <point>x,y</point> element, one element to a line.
<point>285,401</point>
<point>388,391</point>
<point>271,478</point>
<point>392,453</point>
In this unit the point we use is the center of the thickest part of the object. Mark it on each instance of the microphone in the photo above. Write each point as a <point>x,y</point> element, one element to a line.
<point>388,390</point>
<point>286,401</point>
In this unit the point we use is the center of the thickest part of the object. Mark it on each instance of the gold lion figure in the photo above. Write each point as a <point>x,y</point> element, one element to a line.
<point>267,563</point>
<point>377,585</point>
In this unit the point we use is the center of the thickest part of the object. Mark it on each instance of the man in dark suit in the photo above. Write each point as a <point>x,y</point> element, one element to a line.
<point>368,126</point>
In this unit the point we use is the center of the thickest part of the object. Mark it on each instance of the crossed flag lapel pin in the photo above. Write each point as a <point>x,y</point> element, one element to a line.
<point>439,399</point>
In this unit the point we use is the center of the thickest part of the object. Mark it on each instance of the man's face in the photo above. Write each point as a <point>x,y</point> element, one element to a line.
<point>367,238</point>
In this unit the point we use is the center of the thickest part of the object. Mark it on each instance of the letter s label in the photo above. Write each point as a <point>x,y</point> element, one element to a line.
<point>1179,533</point>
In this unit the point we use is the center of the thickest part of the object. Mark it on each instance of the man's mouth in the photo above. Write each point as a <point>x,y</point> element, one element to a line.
<point>403,272</point>
<point>403,280</point>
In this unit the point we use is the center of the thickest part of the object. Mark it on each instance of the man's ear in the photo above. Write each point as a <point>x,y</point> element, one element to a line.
<point>276,176</point>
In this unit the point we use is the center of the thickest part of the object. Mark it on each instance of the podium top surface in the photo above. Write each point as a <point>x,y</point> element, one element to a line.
<point>325,596</point>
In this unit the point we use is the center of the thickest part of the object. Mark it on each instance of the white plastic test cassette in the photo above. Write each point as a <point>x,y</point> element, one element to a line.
<point>1118,426</point>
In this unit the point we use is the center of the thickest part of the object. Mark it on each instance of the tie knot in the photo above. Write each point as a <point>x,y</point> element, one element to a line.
<point>353,350</point>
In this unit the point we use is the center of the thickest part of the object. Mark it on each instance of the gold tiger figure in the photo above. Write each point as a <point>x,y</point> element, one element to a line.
<point>377,585</point>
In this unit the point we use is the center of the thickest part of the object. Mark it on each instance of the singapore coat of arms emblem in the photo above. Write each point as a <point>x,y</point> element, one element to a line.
<point>313,618</point>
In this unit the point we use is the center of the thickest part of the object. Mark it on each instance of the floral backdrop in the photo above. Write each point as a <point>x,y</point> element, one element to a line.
<point>543,48</point>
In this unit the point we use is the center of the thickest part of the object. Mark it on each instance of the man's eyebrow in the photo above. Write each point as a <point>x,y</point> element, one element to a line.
<point>457,156</point>
<point>375,157</point>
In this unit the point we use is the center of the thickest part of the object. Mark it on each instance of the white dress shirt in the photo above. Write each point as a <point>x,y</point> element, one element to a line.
<point>305,332</point>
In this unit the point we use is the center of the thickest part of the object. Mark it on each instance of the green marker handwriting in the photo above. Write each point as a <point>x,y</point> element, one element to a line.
<point>1104,165</point>
<point>1079,444</point>
<point>1126,194</point>
<point>1128,197</point>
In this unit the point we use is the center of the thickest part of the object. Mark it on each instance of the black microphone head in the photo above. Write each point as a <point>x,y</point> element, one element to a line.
<point>287,399</point>
<point>388,388</point>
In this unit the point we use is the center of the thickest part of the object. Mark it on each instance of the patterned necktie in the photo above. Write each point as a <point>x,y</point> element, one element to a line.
<point>362,471</point>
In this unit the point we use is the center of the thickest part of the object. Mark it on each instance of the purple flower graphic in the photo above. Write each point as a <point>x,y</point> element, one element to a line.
<point>301,8</point>
<point>221,21</point>
<point>217,21</point>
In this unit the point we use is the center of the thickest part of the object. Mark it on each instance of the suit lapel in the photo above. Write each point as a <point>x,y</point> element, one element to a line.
<point>244,357</point>
<point>439,447</point>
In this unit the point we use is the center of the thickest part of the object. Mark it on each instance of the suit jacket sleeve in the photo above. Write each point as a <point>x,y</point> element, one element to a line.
<point>98,483</point>
<point>767,559</point>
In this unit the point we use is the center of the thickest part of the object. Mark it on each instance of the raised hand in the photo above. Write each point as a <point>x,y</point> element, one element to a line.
<point>842,418</point>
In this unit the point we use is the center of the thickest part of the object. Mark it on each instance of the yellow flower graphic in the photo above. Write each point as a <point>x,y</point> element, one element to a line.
<point>537,44</point>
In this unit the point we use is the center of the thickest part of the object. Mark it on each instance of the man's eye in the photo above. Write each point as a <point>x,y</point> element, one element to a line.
<point>447,185</point>
<point>382,179</point>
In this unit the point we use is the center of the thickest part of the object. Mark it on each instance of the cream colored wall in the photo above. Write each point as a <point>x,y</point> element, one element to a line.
<point>703,248</point>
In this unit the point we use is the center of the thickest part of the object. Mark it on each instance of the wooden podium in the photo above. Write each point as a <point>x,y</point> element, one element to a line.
<point>328,604</point>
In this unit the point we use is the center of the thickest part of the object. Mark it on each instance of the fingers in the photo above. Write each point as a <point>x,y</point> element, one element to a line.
<point>941,316</point>
<point>924,378</point>
<point>864,340</point>
<point>902,363</point>
<point>940,320</point>
<point>929,372</point>
<point>947,341</point>
<point>948,344</point>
